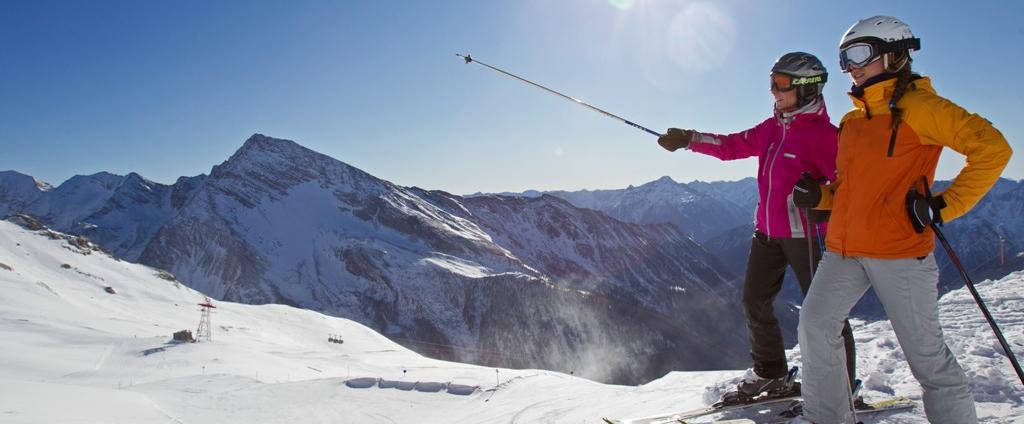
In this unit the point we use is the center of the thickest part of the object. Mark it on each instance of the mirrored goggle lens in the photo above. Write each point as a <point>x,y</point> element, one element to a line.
<point>782,82</point>
<point>858,55</point>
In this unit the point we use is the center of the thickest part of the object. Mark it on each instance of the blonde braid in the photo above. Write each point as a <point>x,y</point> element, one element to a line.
<point>904,77</point>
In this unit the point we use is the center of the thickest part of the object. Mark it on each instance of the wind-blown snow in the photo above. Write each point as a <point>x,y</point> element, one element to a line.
<point>74,353</point>
<point>457,265</point>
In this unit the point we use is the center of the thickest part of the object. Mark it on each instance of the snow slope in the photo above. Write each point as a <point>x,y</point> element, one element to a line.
<point>75,353</point>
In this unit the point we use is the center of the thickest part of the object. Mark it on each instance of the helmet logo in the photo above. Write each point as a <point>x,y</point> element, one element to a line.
<point>808,80</point>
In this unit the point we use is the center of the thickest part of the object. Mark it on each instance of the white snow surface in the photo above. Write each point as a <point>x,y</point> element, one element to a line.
<point>73,353</point>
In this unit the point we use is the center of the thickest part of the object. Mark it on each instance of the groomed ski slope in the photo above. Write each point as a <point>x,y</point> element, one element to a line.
<point>73,353</point>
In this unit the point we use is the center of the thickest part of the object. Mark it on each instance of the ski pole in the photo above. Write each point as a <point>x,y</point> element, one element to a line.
<point>469,59</point>
<point>974,292</point>
<point>810,242</point>
<point>981,303</point>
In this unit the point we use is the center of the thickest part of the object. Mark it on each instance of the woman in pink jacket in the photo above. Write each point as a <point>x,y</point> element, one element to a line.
<point>798,138</point>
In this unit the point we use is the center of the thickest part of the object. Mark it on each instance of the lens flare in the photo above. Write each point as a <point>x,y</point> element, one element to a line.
<point>701,37</point>
<point>622,4</point>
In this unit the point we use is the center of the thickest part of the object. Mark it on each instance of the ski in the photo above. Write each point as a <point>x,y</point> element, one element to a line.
<point>728,403</point>
<point>893,404</point>
<point>899,403</point>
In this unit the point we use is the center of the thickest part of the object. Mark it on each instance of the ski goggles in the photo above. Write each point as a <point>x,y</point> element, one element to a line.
<point>858,55</point>
<point>784,83</point>
<point>861,54</point>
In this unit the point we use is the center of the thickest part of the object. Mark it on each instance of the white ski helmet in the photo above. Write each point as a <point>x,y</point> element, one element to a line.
<point>875,37</point>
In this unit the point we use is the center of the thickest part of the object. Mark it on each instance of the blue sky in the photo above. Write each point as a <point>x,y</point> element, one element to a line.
<point>168,89</point>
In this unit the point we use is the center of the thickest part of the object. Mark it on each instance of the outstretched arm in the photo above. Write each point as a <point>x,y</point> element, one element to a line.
<point>722,146</point>
<point>739,145</point>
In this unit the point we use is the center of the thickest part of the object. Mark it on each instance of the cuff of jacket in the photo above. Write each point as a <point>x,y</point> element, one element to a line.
<point>827,195</point>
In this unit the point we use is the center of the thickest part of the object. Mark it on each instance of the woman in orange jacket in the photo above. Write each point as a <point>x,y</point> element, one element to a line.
<point>879,235</point>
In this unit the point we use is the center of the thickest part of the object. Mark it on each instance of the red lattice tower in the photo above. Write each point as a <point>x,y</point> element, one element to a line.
<point>204,321</point>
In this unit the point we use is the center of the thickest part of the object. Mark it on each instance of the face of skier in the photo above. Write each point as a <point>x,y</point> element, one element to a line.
<point>859,75</point>
<point>784,100</point>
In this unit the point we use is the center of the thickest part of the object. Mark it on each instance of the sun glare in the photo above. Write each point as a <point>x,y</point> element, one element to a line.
<point>622,4</point>
<point>701,37</point>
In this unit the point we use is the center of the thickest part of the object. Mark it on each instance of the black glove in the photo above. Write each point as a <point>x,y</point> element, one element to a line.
<point>806,192</point>
<point>675,139</point>
<point>923,210</point>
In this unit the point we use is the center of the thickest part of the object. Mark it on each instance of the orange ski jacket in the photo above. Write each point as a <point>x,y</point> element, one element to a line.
<point>868,199</point>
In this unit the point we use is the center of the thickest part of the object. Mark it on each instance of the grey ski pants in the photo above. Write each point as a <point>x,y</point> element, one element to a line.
<point>909,293</point>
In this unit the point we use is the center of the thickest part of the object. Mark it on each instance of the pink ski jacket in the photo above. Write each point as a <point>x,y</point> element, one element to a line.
<point>785,148</point>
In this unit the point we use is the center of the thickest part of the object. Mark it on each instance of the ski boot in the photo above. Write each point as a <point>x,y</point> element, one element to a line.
<point>753,389</point>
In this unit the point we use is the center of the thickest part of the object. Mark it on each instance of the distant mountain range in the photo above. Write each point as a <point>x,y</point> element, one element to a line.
<point>511,281</point>
<point>719,215</point>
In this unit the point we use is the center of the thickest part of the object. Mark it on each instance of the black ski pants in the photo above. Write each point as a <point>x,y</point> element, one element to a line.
<point>766,269</point>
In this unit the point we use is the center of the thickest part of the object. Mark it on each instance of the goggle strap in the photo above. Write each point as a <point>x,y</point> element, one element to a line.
<point>901,45</point>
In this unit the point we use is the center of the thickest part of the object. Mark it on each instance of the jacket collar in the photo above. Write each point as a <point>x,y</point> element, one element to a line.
<point>875,96</point>
<point>858,90</point>
<point>810,112</point>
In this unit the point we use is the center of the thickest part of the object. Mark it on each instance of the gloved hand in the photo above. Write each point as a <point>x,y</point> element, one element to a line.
<point>675,139</point>
<point>923,210</point>
<point>806,192</point>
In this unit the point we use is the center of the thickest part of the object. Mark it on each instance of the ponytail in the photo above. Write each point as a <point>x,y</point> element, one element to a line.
<point>904,77</point>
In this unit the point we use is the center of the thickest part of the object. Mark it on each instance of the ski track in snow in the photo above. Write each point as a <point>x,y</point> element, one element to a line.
<point>74,353</point>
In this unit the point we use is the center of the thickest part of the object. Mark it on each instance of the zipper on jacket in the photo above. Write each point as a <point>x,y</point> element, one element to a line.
<point>846,220</point>
<point>771,168</point>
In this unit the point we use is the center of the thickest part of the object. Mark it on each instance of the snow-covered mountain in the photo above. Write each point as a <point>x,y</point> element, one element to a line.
<point>77,352</point>
<point>702,210</point>
<point>987,239</point>
<point>121,213</point>
<point>494,281</point>
<point>585,248</point>
<point>19,191</point>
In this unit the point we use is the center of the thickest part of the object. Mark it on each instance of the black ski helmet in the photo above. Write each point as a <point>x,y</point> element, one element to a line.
<point>808,73</point>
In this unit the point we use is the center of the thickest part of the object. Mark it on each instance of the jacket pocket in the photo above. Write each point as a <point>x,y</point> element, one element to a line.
<point>899,227</point>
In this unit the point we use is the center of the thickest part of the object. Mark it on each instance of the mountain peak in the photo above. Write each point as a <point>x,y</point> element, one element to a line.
<point>104,180</point>
<point>268,166</point>
<point>134,177</point>
<point>134,181</point>
<point>12,178</point>
<point>263,150</point>
<point>269,156</point>
<point>663,183</point>
<point>260,142</point>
